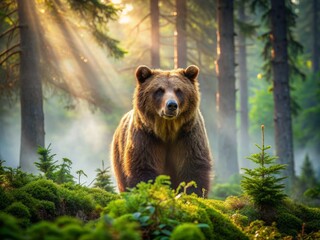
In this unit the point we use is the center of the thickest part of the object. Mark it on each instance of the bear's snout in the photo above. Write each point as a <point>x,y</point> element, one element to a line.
<point>171,109</point>
<point>171,105</point>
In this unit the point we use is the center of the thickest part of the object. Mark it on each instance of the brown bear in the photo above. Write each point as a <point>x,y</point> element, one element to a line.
<point>164,133</point>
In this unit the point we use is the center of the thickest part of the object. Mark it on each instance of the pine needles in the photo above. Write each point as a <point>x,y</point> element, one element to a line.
<point>263,184</point>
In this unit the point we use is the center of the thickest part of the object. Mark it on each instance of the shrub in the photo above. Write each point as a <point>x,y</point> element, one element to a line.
<point>4,199</point>
<point>159,210</point>
<point>20,211</point>
<point>9,228</point>
<point>43,189</point>
<point>75,203</point>
<point>258,231</point>
<point>101,197</point>
<point>288,223</point>
<point>44,230</point>
<point>187,231</point>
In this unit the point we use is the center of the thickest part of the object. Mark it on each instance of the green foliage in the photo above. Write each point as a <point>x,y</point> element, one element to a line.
<point>46,164</point>
<point>43,189</point>
<point>98,14</point>
<point>187,231</point>
<point>80,173</point>
<point>262,183</point>
<point>20,211</point>
<point>259,231</point>
<point>51,170</point>
<point>4,199</point>
<point>159,210</point>
<point>288,223</point>
<point>313,193</point>
<point>306,185</point>
<point>76,203</point>
<point>63,174</point>
<point>294,47</point>
<point>9,228</point>
<point>44,229</point>
<point>13,177</point>
<point>103,179</point>
<point>149,211</point>
<point>223,190</point>
<point>100,196</point>
<point>308,177</point>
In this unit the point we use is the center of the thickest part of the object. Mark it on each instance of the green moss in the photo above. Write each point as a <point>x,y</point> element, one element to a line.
<point>18,209</point>
<point>73,232</point>
<point>102,197</point>
<point>159,210</point>
<point>116,208</point>
<point>63,221</point>
<point>75,202</point>
<point>240,220</point>
<point>309,216</point>
<point>45,210</point>
<point>187,231</point>
<point>222,227</point>
<point>43,231</point>
<point>127,228</point>
<point>39,209</point>
<point>9,228</point>
<point>43,189</point>
<point>5,200</point>
<point>258,231</point>
<point>288,223</point>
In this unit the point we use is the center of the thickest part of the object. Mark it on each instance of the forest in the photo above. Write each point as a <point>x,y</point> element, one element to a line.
<point>67,76</point>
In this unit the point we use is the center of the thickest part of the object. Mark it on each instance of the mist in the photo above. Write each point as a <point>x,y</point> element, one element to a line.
<point>82,113</point>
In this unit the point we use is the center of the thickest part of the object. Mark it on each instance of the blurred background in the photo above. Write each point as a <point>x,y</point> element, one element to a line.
<point>67,75</point>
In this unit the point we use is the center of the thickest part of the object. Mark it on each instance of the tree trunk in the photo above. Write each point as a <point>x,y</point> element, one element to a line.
<point>32,117</point>
<point>181,28</point>
<point>281,89</point>
<point>155,34</point>
<point>244,122</point>
<point>227,164</point>
<point>315,46</point>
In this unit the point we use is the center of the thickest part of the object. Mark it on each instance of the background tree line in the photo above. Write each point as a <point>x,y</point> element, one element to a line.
<point>253,69</point>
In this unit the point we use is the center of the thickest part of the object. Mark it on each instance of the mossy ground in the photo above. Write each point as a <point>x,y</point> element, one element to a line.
<point>43,209</point>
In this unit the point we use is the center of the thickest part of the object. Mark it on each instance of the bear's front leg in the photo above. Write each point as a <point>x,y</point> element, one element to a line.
<point>196,161</point>
<point>144,159</point>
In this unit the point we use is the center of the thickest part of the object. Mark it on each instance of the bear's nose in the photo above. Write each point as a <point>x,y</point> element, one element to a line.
<point>172,105</point>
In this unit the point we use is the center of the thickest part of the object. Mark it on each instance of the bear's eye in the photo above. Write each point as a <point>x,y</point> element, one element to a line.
<point>159,92</point>
<point>179,94</point>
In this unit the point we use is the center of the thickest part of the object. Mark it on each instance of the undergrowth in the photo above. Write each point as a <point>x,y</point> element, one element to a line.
<point>45,207</point>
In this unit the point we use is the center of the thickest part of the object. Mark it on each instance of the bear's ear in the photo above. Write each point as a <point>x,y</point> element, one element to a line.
<point>191,72</point>
<point>143,73</point>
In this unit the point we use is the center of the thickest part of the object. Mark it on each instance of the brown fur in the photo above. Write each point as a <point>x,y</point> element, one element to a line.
<point>149,141</point>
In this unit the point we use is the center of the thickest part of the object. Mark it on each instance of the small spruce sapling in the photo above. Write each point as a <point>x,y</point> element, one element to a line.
<point>103,179</point>
<point>263,184</point>
<point>46,163</point>
<point>63,174</point>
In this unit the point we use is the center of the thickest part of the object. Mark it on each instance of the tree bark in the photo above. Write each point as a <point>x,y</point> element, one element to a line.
<point>181,28</point>
<point>227,164</point>
<point>281,89</point>
<point>315,46</point>
<point>243,79</point>
<point>155,34</point>
<point>32,117</point>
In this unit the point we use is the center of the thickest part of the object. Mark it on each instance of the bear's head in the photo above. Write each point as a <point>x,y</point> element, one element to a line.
<point>162,96</point>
